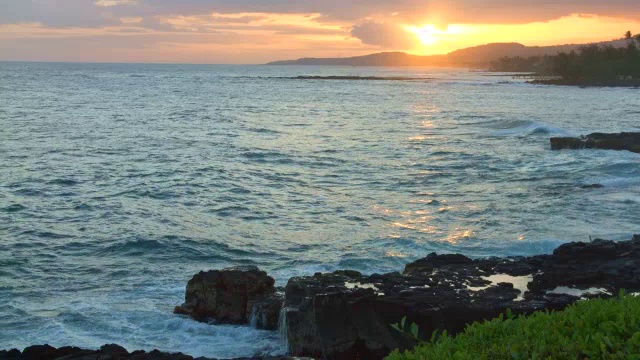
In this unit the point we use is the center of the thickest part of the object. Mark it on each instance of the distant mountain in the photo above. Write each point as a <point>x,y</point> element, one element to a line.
<point>478,56</point>
<point>379,59</point>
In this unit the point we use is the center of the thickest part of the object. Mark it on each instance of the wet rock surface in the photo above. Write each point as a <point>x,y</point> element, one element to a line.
<point>233,296</point>
<point>621,141</point>
<point>345,315</point>
<point>107,352</point>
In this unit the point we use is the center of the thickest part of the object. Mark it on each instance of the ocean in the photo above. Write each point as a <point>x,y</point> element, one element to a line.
<point>119,182</point>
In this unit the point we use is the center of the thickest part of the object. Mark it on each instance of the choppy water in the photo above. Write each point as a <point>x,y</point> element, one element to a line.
<point>119,182</point>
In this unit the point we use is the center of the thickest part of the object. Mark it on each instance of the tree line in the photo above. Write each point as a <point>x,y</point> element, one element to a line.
<point>590,64</point>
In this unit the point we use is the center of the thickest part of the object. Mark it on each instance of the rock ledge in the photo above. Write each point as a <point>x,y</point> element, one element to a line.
<point>622,141</point>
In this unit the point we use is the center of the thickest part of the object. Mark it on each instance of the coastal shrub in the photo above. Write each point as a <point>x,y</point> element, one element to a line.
<point>594,329</point>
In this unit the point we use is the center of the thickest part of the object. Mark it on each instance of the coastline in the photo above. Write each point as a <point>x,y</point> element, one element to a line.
<point>107,352</point>
<point>347,315</point>
<point>114,253</point>
<point>587,84</point>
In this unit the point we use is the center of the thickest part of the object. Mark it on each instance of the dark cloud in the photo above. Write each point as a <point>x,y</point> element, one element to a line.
<point>389,36</point>
<point>85,13</point>
<point>470,11</point>
<point>56,13</point>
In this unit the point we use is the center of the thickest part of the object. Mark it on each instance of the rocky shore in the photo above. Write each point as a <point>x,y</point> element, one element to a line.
<point>347,315</point>
<point>629,141</point>
<point>106,352</point>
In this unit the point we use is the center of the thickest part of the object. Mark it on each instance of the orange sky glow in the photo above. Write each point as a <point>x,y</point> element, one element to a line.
<point>139,31</point>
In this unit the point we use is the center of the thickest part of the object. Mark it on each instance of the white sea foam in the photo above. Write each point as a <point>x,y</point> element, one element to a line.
<point>519,283</point>
<point>359,285</point>
<point>283,329</point>
<point>578,292</point>
<point>531,128</point>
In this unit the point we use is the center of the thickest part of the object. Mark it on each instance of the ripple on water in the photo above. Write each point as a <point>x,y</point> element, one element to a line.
<point>63,182</point>
<point>14,208</point>
<point>110,200</point>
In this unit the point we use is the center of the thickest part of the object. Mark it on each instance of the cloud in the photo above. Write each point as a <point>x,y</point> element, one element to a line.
<point>154,23</point>
<point>520,12</point>
<point>109,3</point>
<point>390,36</point>
<point>256,30</point>
<point>96,45</point>
<point>450,11</point>
<point>56,13</point>
<point>243,19</point>
<point>95,13</point>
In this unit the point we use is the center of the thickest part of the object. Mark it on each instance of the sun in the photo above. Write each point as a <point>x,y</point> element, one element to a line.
<point>427,34</point>
<point>430,35</point>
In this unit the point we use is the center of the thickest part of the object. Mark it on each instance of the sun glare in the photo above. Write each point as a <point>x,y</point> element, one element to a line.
<point>426,34</point>
<point>431,35</point>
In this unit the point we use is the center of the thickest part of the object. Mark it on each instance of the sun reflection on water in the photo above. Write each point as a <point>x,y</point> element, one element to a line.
<point>459,235</point>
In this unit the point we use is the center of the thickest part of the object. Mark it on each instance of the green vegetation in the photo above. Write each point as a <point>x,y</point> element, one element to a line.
<point>534,64</point>
<point>594,329</point>
<point>591,65</point>
<point>600,63</point>
<point>405,328</point>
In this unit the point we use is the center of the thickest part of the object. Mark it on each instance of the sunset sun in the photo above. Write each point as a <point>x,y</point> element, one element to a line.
<point>427,35</point>
<point>430,35</point>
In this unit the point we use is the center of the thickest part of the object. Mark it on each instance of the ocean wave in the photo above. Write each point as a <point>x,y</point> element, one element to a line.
<point>46,234</point>
<point>63,182</point>
<point>527,129</point>
<point>264,131</point>
<point>267,156</point>
<point>14,208</point>
<point>616,182</point>
<point>174,247</point>
<point>292,176</point>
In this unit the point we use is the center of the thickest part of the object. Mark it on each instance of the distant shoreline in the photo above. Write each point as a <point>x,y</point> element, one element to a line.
<point>595,83</point>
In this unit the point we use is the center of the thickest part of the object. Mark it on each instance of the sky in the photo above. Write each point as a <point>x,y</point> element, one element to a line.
<point>258,31</point>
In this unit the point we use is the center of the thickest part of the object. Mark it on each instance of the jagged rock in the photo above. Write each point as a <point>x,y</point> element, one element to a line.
<point>43,352</point>
<point>229,296</point>
<point>620,141</point>
<point>265,312</point>
<point>434,261</point>
<point>345,315</point>
<point>107,352</point>
<point>114,350</point>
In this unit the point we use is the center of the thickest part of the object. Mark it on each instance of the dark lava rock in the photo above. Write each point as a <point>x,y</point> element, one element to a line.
<point>434,261</point>
<point>621,141</point>
<point>39,352</point>
<point>107,352</point>
<point>232,296</point>
<point>114,350</point>
<point>345,315</point>
<point>265,312</point>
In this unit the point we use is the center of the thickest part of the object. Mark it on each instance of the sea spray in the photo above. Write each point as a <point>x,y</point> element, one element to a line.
<point>282,327</point>
<point>253,318</point>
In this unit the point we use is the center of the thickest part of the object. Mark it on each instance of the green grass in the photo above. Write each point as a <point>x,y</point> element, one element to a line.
<point>594,329</point>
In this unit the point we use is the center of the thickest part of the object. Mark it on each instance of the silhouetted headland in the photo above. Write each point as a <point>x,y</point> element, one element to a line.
<point>474,57</point>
